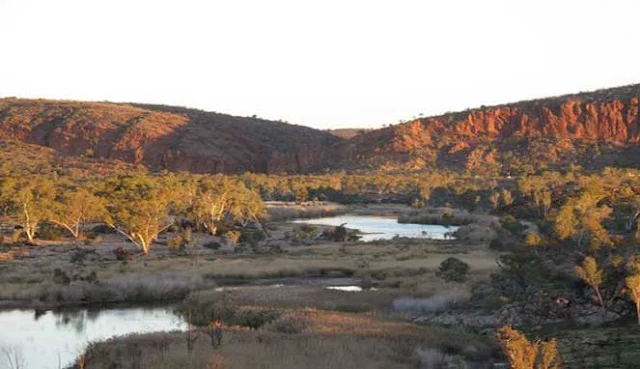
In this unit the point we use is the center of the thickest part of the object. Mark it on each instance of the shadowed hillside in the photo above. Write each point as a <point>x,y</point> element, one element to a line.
<point>595,129</point>
<point>162,137</point>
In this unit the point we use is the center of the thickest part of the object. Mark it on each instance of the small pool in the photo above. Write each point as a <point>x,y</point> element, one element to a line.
<point>53,340</point>
<point>383,228</point>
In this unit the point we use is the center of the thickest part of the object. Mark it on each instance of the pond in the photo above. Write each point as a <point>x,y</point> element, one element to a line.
<point>55,339</point>
<point>382,228</point>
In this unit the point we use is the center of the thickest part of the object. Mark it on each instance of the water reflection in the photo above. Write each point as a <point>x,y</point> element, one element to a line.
<point>48,339</point>
<point>383,228</point>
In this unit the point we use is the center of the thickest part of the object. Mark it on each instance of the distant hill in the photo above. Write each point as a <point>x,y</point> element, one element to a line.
<point>594,130</point>
<point>163,137</point>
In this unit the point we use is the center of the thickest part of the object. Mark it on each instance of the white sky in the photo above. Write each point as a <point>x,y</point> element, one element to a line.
<point>325,64</point>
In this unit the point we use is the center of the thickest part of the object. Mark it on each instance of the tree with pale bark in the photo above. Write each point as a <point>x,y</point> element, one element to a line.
<point>138,207</point>
<point>74,206</point>
<point>589,272</point>
<point>220,200</point>
<point>28,200</point>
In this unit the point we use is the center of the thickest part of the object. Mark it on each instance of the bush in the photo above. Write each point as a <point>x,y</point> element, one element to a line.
<point>453,270</point>
<point>102,229</point>
<point>251,236</point>
<point>288,325</point>
<point>336,234</point>
<point>305,232</point>
<point>50,232</point>
<point>254,318</point>
<point>122,254</point>
<point>176,243</point>
<point>512,225</point>
<point>496,245</point>
<point>232,237</point>
<point>93,240</point>
<point>213,245</point>
<point>60,277</point>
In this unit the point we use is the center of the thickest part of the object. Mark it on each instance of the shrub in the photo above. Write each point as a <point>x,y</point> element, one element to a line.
<point>496,244</point>
<point>60,277</point>
<point>176,243</point>
<point>512,225</point>
<point>102,229</point>
<point>79,256</point>
<point>17,235</point>
<point>448,218</point>
<point>122,254</point>
<point>213,245</point>
<point>232,237</point>
<point>288,325</point>
<point>50,232</point>
<point>306,231</point>
<point>200,308</point>
<point>453,270</point>
<point>251,236</point>
<point>336,234</point>
<point>255,318</point>
<point>93,240</point>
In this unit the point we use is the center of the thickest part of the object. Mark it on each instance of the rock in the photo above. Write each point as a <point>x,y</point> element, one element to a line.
<point>593,129</point>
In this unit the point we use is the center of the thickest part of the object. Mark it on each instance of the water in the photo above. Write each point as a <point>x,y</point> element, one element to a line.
<point>383,228</point>
<point>54,340</point>
<point>349,288</point>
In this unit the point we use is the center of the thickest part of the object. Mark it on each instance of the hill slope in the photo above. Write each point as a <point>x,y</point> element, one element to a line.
<point>595,129</point>
<point>162,137</point>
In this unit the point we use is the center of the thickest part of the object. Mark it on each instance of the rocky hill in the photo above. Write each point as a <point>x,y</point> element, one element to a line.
<point>594,130</point>
<point>161,137</point>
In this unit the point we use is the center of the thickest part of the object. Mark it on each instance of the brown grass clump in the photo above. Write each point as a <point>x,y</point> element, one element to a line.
<point>330,340</point>
<point>279,211</point>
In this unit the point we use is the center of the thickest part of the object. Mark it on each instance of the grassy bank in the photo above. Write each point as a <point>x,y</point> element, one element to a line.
<point>280,211</point>
<point>57,274</point>
<point>298,338</point>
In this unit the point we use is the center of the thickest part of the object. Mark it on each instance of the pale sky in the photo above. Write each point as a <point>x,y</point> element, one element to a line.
<point>325,64</point>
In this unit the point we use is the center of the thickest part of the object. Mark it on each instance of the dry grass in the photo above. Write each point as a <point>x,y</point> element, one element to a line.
<point>331,340</point>
<point>299,297</point>
<point>445,216</point>
<point>409,266</point>
<point>279,211</point>
<point>404,265</point>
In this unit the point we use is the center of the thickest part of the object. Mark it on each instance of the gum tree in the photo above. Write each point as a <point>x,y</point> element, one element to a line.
<point>75,205</point>
<point>138,207</point>
<point>28,200</point>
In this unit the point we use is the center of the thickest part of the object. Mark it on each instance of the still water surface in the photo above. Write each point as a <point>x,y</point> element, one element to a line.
<point>54,340</point>
<point>382,228</point>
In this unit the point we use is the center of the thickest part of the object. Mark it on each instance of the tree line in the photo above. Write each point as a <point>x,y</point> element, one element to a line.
<point>139,207</point>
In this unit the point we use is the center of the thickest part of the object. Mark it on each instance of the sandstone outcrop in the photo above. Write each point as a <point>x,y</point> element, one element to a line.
<point>592,129</point>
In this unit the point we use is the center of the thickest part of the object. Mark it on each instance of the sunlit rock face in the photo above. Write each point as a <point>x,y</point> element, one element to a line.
<point>595,129</point>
